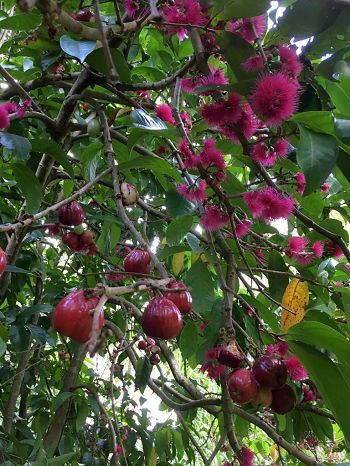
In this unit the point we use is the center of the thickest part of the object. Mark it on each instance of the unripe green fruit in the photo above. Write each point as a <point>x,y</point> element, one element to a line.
<point>94,128</point>
<point>79,229</point>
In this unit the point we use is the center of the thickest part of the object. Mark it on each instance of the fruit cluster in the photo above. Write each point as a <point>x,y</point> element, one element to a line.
<point>264,384</point>
<point>149,346</point>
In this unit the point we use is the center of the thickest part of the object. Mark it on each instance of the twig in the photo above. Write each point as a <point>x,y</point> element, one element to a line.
<point>95,330</point>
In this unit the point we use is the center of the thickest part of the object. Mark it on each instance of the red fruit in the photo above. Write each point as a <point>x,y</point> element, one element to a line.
<point>129,193</point>
<point>263,397</point>
<point>71,213</point>
<point>72,316</point>
<point>182,299</point>
<point>71,240</point>
<point>87,237</point>
<point>3,261</point>
<point>138,261</point>
<point>242,386</point>
<point>142,344</point>
<point>270,371</point>
<point>150,341</point>
<point>162,319</point>
<point>115,277</point>
<point>283,399</point>
<point>155,349</point>
<point>84,15</point>
<point>230,359</point>
<point>54,229</point>
<point>154,359</point>
<point>92,250</point>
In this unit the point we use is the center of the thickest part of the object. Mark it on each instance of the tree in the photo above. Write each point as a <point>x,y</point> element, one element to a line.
<point>174,219</point>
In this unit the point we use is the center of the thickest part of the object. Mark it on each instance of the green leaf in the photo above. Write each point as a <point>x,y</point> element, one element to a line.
<point>322,122</point>
<point>45,145</point>
<point>89,159</point>
<point>240,8</point>
<point>14,269</point>
<point>21,22</point>
<point>188,340</point>
<point>79,49</point>
<point>19,145</point>
<point>326,375</point>
<point>143,371</point>
<point>38,333</point>
<point>177,229</point>
<point>29,186</point>
<point>277,282</point>
<point>317,155</point>
<point>202,284</point>
<point>176,205</point>
<point>83,412</point>
<point>154,163</point>
<point>19,337</point>
<point>2,347</point>
<point>62,459</point>
<point>60,399</point>
<point>340,94</point>
<point>97,60</point>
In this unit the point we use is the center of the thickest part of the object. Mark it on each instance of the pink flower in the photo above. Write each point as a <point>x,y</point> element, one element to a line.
<point>333,249</point>
<point>297,251</point>
<point>290,63</point>
<point>279,348</point>
<point>143,94</point>
<point>119,450</point>
<point>259,254</point>
<point>222,113</point>
<point>347,267</point>
<point>186,119</point>
<point>161,150</point>
<point>191,160</point>
<point>165,113</point>
<point>248,28</point>
<point>214,78</point>
<point>247,123</point>
<point>5,109</point>
<point>281,147</point>
<point>20,111</point>
<point>317,248</point>
<point>131,7</point>
<point>194,193</point>
<point>275,98</point>
<point>211,156</point>
<point>247,457</point>
<point>213,218</point>
<point>325,187</point>
<point>309,395</point>
<point>212,366</point>
<point>263,154</point>
<point>268,204</point>
<point>296,371</point>
<point>188,85</point>
<point>301,182</point>
<point>243,228</point>
<point>184,11</point>
<point>253,64</point>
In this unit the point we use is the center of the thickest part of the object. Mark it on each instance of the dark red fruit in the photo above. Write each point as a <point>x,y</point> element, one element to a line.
<point>227,358</point>
<point>242,386</point>
<point>182,299</point>
<point>88,237</point>
<point>150,341</point>
<point>142,344</point>
<point>71,213</point>
<point>71,240</point>
<point>138,261</point>
<point>3,261</point>
<point>283,399</point>
<point>154,359</point>
<point>162,319</point>
<point>263,397</point>
<point>84,15</point>
<point>129,193</point>
<point>155,349</point>
<point>270,371</point>
<point>54,229</point>
<point>72,316</point>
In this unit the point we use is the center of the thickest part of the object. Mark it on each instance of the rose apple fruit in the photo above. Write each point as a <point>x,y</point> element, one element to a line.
<point>242,386</point>
<point>72,316</point>
<point>181,299</point>
<point>263,397</point>
<point>3,261</point>
<point>283,399</point>
<point>71,213</point>
<point>162,319</point>
<point>230,355</point>
<point>270,371</point>
<point>138,261</point>
<point>84,15</point>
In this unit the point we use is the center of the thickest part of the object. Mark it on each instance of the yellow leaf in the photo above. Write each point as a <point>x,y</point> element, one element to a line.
<point>177,262</point>
<point>295,298</point>
<point>274,453</point>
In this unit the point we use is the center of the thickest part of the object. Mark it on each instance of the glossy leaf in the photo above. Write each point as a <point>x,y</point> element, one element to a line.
<point>29,186</point>
<point>79,49</point>
<point>18,145</point>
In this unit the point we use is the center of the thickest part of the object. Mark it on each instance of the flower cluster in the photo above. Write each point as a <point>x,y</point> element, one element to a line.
<point>266,153</point>
<point>193,193</point>
<point>182,12</point>
<point>213,218</point>
<point>9,107</point>
<point>131,7</point>
<point>298,251</point>
<point>268,204</point>
<point>214,78</point>
<point>248,29</point>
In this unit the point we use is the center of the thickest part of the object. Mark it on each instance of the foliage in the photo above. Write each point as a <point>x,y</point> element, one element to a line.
<point>237,172</point>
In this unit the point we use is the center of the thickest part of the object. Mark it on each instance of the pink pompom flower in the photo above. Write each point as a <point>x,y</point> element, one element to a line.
<point>296,370</point>
<point>243,228</point>
<point>249,28</point>
<point>280,348</point>
<point>165,113</point>
<point>220,114</point>
<point>268,204</point>
<point>297,251</point>
<point>131,7</point>
<point>252,64</point>
<point>194,193</point>
<point>290,63</point>
<point>275,98</point>
<point>247,457</point>
<point>318,248</point>
<point>190,159</point>
<point>325,187</point>
<point>213,218</point>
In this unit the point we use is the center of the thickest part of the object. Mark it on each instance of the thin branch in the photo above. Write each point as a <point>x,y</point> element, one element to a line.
<point>191,437</point>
